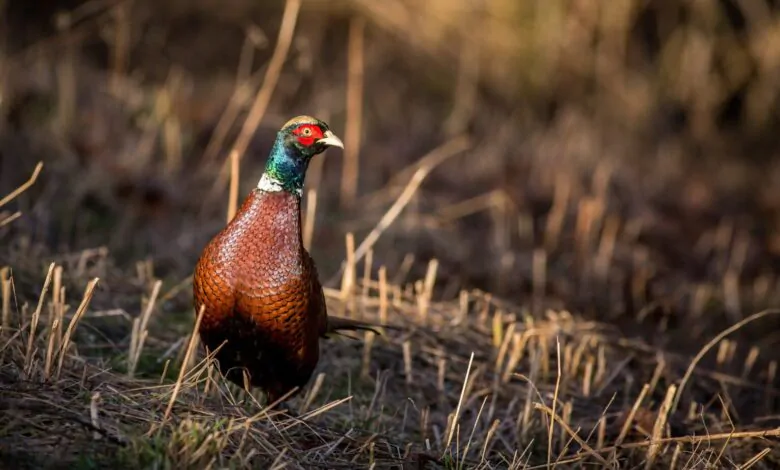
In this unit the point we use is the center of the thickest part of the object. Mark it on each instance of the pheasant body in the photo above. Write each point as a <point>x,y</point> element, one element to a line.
<point>264,309</point>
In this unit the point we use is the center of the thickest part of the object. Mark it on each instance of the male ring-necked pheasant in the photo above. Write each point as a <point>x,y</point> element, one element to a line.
<point>257,283</point>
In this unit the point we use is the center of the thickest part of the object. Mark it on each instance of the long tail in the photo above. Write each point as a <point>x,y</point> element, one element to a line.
<point>338,324</point>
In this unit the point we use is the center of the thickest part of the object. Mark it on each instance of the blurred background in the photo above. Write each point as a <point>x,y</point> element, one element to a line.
<point>613,158</point>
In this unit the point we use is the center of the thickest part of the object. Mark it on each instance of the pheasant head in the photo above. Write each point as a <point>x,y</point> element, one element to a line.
<point>298,140</point>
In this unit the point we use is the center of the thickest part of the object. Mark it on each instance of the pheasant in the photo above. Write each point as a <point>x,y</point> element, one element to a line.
<point>258,285</point>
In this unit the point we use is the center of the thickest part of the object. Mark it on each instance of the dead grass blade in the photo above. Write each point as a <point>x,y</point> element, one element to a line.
<point>587,448</point>
<point>263,97</point>
<point>755,459</point>
<point>711,344</point>
<point>190,350</point>
<point>438,155</point>
<point>689,440</point>
<point>456,416</point>
<point>73,322</point>
<point>24,187</point>
<point>28,358</point>
<point>235,166</point>
<point>10,219</point>
<point>350,168</point>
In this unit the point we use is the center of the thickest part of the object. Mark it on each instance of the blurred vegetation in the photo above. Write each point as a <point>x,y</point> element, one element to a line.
<point>672,106</point>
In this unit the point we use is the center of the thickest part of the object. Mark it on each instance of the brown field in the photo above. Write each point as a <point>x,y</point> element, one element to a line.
<point>570,208</point>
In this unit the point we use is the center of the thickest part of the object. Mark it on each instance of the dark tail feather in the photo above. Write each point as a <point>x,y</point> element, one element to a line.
<point>337,324</point>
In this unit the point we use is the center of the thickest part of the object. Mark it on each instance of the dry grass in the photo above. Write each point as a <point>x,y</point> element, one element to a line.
<point>445,391</point>
<point>605,173</point>
<point>468,384</point>
<point>449,388</point>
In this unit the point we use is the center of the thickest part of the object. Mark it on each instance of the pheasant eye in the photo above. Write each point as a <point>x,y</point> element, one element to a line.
<point>306,132</point>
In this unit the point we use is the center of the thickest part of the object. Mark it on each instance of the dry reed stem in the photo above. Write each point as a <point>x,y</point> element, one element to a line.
<point>174,291</point>
<point>140,331</point>
<point>5,288</point>
<point>676,457</point>
<point>312,393</point>
<point>455,417</point>
<point>348,280</point>
<point>272,73</point>
<point>367,347</point>
<point>253,39</point>
<point>10,219</point>
<point>557,215</point>
<point>93,415</point>
<point>355,66</point>
<point>424,299</point>
<point>88,291</point>
<point>431,160</point>
<point>473,430</point>
<point>234,183</point>
<point>28,358</point>
<point>690,440</point>
<point>490,200</point>
<point>368,264</point>
<point>710,345</point>
<point>631,414</point>
<point>172,139</point>
<point>237,100</point>
<point>438,155</point>
<point>188,354</point>
<point>383,291</point>
<point>466,88</point>
<point>264,94</point>
<point>489,438</point>
<point>326,407</point>
<point>245,82</point>
<point>659,427</point>
<point>55,323</point>
<point>555,418</point>
<point>555,401</point>
<point>723,448</point>
<point>24,186</point>
<point>755,459</point>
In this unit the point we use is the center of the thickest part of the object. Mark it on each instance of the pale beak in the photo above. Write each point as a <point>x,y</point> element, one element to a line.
<point>331,140</point>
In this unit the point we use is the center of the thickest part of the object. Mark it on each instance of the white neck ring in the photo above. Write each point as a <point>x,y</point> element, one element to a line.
<point>270,184</point>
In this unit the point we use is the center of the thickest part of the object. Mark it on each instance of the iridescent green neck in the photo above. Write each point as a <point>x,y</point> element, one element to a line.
<point>285,170</point>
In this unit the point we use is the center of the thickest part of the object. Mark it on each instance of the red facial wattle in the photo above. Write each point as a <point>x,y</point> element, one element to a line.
<point>308,134</point>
